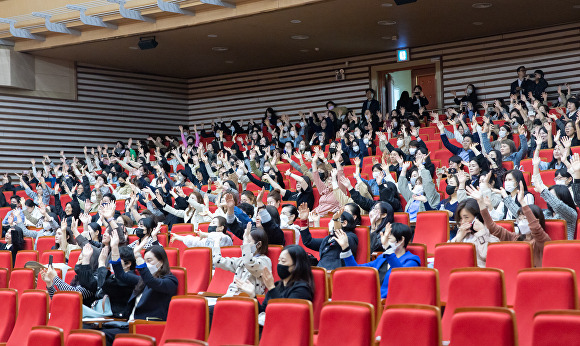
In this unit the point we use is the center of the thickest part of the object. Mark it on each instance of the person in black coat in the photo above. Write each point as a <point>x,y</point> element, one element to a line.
<point>419,99</point>
<point>303,194</point>
<point>370,103</point>
<point>470,96</point>
<point>522,85</point>
<point>538,85</point>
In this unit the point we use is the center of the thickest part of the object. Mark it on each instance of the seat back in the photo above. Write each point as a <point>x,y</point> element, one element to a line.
<point>221,279</point>
<point>402,217</point>
<point>319,232</point>
<point>182,228</point>
<point>181,275</point>
<point>73,257</point>
<point>153,329</point>
<point>173,256</point>
<point>419,250</point>
<point>472,287</point>
<point>562,254</point>
<point>198,263</point>
<point>449,256</point>
<point>85,337</point>
<point>9,312</point>
<point>289,236</point>
<point>29,317</point>
<point>66,311</point>
<point>510,257</point>
<point>44,244</point>
<point>4,275</point>
<point>133,340</point>
<point>235,321</point>
<point>337,320</point>
<point>467,322</point>
<point>556,229</point>
<point>291,318</point>
<point>187,318</point>
<point>424,280</point>
<point>45,336</point>
<point>432,228</point>
<point>410,325</point>
<point>357,284</point>
<point>57,256</point>
<point>24,256</point>
<point>320,293</point>
<point>560,325</point>
<point>363,250</point>
<point>22,279</point>
<point>6,259</point>
<point>542,289</point>
<point>274,252</point>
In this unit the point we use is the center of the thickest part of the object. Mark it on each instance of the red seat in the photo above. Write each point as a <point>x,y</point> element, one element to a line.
<point>45,336</point>
<point>221,279</point>
<point>433,146</point>
<point>133,340</point>
<point>562,254</point>
<point>180,245</point>
<point>547,155</point>
<point>432,228</point>
<point>289,236</point>
<point>365,220</point>
<point>86,337</point>
<point>402,217</point>
<point>556,327</point>
<point>357,284</point>
<point>73,257</point>
<point>57,256</point>
<point>203,226</point>
<point>511,257</point>
<point>235,321</point>
<point>316,232</point>
<point>424,280</point>
<point>449,256</point>
<point>320,293</point>
<point>173,256</point>
<point>442,154</point>
<point>185,343</point>
<point>181,275</point>
<point>337,320</point>
<point>40,284</point>
<point>363,252</point>
<point>29,317</point>
<point>556,229</point>
<point>466,327</point>
<point>153,329</point>
<point>9,312</point>
<point>24,256</point>
<point>198,263</point>
<point>507,224</point>
<point>66,311</point>
<point>508,165</point>
<point>542,289</point>
<point>6,259</point>
<point>21,279</point>
<point>472,287</point>
<point>274,252</point>
<point>291,318</point>
<point>120,205</point>
<point>188,318</point>
<point>4,211</point>
<point>182,228</point>
<point>419,250</point>
<point>44,244</point>
<point>548,176</point>
<point>410,325</point>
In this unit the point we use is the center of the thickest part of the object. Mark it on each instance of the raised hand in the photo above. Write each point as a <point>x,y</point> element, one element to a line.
<point>303,211</point>
<point>341,238</point>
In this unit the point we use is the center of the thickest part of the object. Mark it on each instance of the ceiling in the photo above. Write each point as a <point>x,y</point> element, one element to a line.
<point>336,29</point>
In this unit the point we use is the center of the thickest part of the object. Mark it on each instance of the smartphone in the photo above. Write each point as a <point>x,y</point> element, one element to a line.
<point>50,261</point>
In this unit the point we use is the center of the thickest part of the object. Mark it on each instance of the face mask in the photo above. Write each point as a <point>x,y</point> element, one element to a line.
<point>502,133</point>
<point>510,186</point>
<point>283,220</point>
<point>239,172</point>
<point>394,123</point>
<point>330,107</point>
<point>292,133</point>
<point>524,227</point>
<point>13,205</point>
<point>355,149</point>
<point>399,143</point>
<point>211,229</point>
<point>450,189</point>
<point>412,123</point>
<point>393,245</point>
<point>366,141</point>
<point>376,175</point>
<point>93,199</point>
<point>418,190</point>
<point>413,180</point>
<point>266,169</point>
<point>219,162</point>
<point>302,146</point>
<point>152,268</point>
<point>122,184</point>
<point>46,225</point>
<point>139,232</point>
<point>283,271</point>
<point>233,129</point>
<point>412,151</point>
<point>452,170</point>
<point>469,90</point>
<point>321,175</point>
<point>302,124</point>
<point>561,182</point>
<point>332,150</point>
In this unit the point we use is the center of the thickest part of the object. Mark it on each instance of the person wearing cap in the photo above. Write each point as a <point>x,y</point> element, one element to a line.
<point>522,85</point>
<point>538,85</point>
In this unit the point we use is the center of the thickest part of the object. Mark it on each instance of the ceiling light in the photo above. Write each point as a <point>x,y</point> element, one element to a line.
<point>295,21</point>
<point>304,50</point>
<point>212,35</point>
<point>300,37</point>
<point>481,5</point>
<point>477,23</point>
<point>133,47</point>
<point>386,4</point>
<point>386,22</point>
<point>219,49</point>
<point>229,62</point>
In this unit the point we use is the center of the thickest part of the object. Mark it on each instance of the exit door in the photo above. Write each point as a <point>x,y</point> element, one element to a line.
<point>426,79</point>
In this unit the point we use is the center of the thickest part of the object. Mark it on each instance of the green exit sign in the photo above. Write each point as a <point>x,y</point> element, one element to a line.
<point>402,55</point>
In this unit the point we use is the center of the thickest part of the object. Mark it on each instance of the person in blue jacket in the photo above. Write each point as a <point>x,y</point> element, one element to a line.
<point>395,238</point>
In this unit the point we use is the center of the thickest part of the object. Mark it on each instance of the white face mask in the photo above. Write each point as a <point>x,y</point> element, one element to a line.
<point>239,172</point>
<point>283,220</point>
<point>502,133</point>
<point>412,123</point>
<point>412,151</point>
<point>152,268</point>
<point>561,182</point>
<point>266,169</point>
<point>413,180</point>
<point>399,143</point>
<point>510,186</point>
<point>366,141</point>
<point>524,227</point>
<point>394,123</point>
<point>302,146</point>
<point>418,190</point>
<point>302,124</point>
<point>330,107</point>
<point>376,175</point>
<point>219,162</point>
<point>292,133</point>
<point>93,199</point>
<point>355,149</point>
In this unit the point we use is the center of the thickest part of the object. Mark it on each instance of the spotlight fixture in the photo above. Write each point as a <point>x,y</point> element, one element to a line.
<point>386,22</point>
<point>147,42</point>
<point>480,5</point>
<point>300,37</point>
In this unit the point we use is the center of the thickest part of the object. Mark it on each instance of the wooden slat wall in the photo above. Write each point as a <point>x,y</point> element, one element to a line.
<point>489,63</point>
<point>111,105</point>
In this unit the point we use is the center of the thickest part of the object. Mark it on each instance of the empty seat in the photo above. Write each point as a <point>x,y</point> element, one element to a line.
<point>45,336</point>
<point>24,256</point>
<point>410,325</point>
<point>419,250</point>
<point>562,254</point>
<point>291,318</point>
<point>85,337</point>
<point>235,321</point>
<point>44,244</point>
<point>449,256</point>
<point>274,252</point>
<point>173,256</point>
<point>153,329</point>
<point>22,279</point>
<point>66,311</point>
<point>511,257</point>
<point>187,318</point>
<point>6,259</point>
<point>182,228</point>
<point>499,330</point>
<point>29,317</point>
<point>472,287</point>
<point>432,228</point>
<point>221,279</point>
<point>198,263</point>
<point>320,293</point>
<point>337,321</point>
<point>357,284</point>
<point>133,340</point>
<point>402,217</point>
<point>541,289</point>
<point>9,312</point>
<point>176,342</point>
<point>289,236</point>
<point>425,283</point>
<point>556,229</point>
<point>556,327</point>
<point>57,256</point>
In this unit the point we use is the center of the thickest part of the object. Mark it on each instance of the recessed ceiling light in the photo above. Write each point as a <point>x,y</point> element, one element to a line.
<point>477,23</point>
<point>133,47</point>
<point>295,21</point>
<point>219,49</point>
<point>481,5</point>
<point>577,6</point>
<point>212,35</point>
<point>386,22</point>
<point>229,62</point>
<point>304,50</point>
<point>300,37</point>
<point>386,4</point>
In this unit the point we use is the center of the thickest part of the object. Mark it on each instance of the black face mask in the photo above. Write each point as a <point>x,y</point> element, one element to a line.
<point>450,189</point>
<point>212,229</point>
<point>283,271</point>
<point>122,184</point>
<point>332,150</point>
<point>140,233</point>
<point>13,205</point>
<point>321,175</point>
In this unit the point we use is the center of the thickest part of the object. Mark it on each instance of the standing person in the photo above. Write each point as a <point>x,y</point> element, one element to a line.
<point>370,103</point>
<point>522,85</point>
<point>419,99</point>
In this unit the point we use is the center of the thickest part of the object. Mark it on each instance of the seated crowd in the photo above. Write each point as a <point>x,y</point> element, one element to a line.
<point>332,169</point>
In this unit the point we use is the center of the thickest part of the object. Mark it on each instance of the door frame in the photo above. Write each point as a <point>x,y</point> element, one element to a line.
<point>379,72</point>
